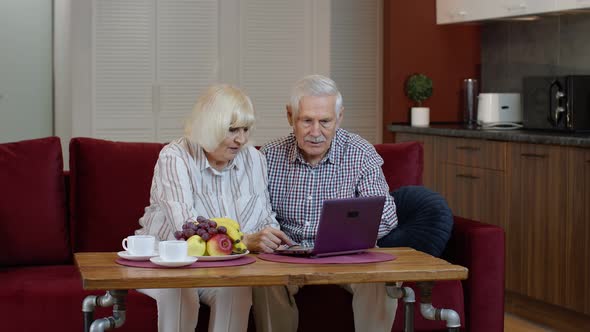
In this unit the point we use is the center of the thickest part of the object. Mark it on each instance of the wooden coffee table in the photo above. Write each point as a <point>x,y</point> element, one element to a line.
<point>100,272</point>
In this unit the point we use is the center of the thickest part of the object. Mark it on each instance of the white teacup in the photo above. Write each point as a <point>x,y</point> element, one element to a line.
<point>173,251</point>
<point>139,245</point>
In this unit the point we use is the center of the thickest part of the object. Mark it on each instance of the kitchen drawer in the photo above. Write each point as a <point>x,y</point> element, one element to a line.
<point>474,153</point>
<point>475,193</point>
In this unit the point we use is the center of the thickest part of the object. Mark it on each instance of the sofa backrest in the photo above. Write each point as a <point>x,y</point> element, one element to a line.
<point>110,186</point>
<point>403,163</point>
<point>33,203</point>
<point>109,189</point>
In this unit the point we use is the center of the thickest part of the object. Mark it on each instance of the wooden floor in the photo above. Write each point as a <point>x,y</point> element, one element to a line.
<point>514,323</point>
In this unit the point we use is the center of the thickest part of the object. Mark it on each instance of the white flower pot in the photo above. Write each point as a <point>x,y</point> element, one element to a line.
<point>420,116</point>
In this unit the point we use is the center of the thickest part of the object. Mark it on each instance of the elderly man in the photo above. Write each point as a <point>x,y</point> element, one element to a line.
<point>320,161</point>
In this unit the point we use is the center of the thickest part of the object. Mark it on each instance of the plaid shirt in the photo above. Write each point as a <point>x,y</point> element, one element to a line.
<point>351,168</point>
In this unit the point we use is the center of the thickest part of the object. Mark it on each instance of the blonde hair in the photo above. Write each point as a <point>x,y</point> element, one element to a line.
<point>221,107</point>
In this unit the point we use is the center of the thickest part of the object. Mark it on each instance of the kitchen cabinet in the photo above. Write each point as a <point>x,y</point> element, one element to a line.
<point>472,177</point>
<point>535,230</point>
<point>455,11</point>
<point>540,195</point>
<point>450,11</point>
<point>577,230</point>
<point>468,173</point>
<point>472,193</point>
<point>508,8</point>
<point>549,225</point>
<point>572,4</point>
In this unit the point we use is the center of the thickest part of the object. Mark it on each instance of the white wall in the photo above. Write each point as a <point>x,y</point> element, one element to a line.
<point>26,102</point>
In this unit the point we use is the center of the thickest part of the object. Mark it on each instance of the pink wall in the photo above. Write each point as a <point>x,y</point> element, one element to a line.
<point>414,43</point>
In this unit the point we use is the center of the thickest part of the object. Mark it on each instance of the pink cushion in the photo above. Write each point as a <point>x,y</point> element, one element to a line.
<point>109,190</point>
<point>32,206</point>
<point>403,163</point>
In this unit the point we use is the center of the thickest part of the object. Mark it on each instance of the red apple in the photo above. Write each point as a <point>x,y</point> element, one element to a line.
<point>219,245</point>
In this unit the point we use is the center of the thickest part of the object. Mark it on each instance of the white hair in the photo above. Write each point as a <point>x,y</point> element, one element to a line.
<point>316,86</point>
<point>221,108</point>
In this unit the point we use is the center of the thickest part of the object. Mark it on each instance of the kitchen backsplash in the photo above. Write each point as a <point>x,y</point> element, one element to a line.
<point>551,45</point>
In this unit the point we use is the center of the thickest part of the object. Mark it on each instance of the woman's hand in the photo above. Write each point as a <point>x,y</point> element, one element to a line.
<point>267,240</point>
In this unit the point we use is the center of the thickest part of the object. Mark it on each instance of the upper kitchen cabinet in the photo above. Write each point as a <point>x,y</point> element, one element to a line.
<point>451,11</point>
<point>455,11</point>
<point>572,4</point>
<point>509,8</point>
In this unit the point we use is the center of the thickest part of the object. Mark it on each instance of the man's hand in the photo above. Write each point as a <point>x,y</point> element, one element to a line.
<point>267,240</point>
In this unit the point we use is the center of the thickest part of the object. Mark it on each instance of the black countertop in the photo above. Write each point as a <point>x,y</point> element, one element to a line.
<point>519,135</point>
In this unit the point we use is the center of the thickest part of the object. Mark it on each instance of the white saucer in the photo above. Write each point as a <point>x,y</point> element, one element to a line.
<point>221,258</point>
<point>126,255</point>
<point>158,261</point>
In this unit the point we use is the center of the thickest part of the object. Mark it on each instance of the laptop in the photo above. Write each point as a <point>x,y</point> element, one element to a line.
<point>347,225</point>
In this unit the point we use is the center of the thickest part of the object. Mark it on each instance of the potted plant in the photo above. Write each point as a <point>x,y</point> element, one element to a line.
<point>418,89</point>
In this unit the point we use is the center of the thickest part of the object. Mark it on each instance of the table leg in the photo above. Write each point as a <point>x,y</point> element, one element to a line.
<point>407,294</point>
<point>429,312</point>
<point>115,298</point>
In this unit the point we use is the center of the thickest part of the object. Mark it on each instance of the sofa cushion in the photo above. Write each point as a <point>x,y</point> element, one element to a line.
<point>403,163</point>
<point>33,205</point>
<point>53,295</point>
<point>425,221</point>
<point>110,188</point>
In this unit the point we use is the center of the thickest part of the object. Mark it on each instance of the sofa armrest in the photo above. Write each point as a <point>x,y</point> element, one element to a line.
<point>480,248</point>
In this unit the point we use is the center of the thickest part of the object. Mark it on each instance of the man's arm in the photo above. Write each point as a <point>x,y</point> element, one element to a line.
<point>372,183</point>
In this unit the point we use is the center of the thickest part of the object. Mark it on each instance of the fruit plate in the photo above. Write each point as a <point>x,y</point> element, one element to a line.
<point>126,255</point>
<point>188,261</point>
<point>221,258</point>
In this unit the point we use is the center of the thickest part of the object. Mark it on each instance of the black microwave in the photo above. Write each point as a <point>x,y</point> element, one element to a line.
<point>557,103</point>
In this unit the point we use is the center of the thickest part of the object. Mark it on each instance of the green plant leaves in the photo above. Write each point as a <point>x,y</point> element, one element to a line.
<point>419,87</point>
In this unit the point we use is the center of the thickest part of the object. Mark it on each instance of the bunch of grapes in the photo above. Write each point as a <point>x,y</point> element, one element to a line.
<point>202,227</point>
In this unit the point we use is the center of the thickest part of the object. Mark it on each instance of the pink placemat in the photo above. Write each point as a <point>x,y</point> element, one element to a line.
<point>365,257</point>
<point>147,264</point>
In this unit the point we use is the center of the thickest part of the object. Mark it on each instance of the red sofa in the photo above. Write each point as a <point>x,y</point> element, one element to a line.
<point>46,215</point>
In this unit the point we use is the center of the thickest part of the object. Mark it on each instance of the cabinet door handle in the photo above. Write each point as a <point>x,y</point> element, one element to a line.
<point>588,161</point>
<point>468,176</point>
<point>533,155</point>
<point>467,148</point>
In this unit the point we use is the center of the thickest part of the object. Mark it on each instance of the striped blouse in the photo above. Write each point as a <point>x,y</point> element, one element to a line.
<point>185,186</point>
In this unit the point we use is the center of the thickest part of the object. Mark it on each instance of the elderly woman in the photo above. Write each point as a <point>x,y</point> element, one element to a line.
<point>211,172</point>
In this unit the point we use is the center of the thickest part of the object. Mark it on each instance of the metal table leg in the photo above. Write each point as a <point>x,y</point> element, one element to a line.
<point>429,312</point>
<point>407,294</point>
<point>115,298</point>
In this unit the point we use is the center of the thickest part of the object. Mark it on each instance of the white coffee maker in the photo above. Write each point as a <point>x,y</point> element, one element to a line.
<point>499,111</point>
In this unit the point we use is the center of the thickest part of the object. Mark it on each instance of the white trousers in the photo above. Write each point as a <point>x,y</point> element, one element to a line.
<point>275,309</point>
<point>178,308</point>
